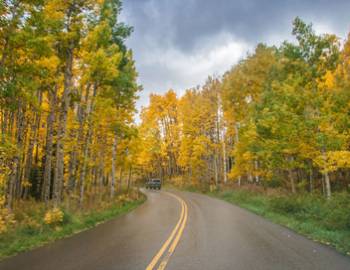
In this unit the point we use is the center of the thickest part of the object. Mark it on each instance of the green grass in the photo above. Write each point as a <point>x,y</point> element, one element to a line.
<point>32,232</point>
<point>325,221</point>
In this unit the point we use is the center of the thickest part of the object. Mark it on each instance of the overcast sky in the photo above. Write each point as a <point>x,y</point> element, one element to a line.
<point>178,43</point>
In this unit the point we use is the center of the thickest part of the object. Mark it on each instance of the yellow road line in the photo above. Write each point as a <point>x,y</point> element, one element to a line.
<point>172,247</point>
<point>168,241</point>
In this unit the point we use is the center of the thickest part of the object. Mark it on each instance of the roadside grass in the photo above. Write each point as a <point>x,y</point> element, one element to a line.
<point>30,230</point>
<point>312,215</point>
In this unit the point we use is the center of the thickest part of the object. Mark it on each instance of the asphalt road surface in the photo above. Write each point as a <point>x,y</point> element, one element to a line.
<point>179,231</point>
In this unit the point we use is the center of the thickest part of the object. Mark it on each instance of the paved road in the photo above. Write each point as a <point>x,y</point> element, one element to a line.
<point>210,234</point>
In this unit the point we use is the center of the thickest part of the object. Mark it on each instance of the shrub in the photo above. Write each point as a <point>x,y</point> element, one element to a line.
<point>31,227</point>
<point>68,217</point>
<point>6,220</point>
<point>286,205</point>
<point>337,212</point>
<point>53,216</point>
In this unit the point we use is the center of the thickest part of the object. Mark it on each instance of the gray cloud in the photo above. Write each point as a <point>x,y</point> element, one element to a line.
<point>177,43</point>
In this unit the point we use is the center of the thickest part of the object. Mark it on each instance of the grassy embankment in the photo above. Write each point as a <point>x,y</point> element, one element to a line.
<point>30,229</point>
<point>312,215</point>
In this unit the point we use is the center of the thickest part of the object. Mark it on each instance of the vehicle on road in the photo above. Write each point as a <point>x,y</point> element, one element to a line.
<point>154,184</point>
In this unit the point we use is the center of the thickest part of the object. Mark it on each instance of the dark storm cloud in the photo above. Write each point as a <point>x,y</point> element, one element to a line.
<point>172,35</point>
<point>185,22</point>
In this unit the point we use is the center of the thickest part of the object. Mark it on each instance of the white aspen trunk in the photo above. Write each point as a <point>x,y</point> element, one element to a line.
<point>221,131</point>
<point>328,185</point>
<point>81,115</point>
<point>250,177</point>
<point>62,127</point>
<point>326,178</point>
<point>114,157</point>
<point>87,144</point>
<point>224,157</point>
<point>256,164</point>
<point>291,179</point>
<point>11,184</point>
<point>236,142</point>
<point>216,173</point>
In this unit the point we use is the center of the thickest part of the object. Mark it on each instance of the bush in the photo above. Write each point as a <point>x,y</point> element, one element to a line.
<point>6,220</point>
<point>337,212</point>
<point>286,205</point>
<point>68,217</point>
<point>332,214</point>
<point>53,216</point>
<point>31,227</point>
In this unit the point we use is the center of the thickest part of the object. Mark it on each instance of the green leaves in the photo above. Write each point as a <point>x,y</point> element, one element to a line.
<point>291,105</point>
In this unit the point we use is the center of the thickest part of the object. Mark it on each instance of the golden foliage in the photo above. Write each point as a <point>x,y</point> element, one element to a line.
<point>6,220</point>
<point>53,216</point>
<point>333,160</point>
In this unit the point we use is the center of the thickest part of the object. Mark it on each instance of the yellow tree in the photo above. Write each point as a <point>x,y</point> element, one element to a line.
<point>242,88</point>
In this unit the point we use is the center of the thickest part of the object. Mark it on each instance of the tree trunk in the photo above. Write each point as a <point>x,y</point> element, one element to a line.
<point>114,157</point>
<point>236,143</point>
<point>311,179</point>
<point>120,180</point>
<point>216,173</point>
<point>61,132</point>
<point>11,184</point>
<point>100,177</point>
<point>89,110</point>
<point>224,159</point>
<point>291,179</point>
<point>250,177</point>
<point>32,142</point>
<point>129,177</point>
<point>81,115</point>
<point>328,185</point>
<point>326,177</point>
<point>45,191</point>
<point>84,166</point>
<point>21,127</point>
<point>72,171</point>
<point>290,174</point>
<point>256,164</point>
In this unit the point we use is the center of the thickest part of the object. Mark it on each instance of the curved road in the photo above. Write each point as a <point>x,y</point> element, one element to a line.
<point>209,234</point>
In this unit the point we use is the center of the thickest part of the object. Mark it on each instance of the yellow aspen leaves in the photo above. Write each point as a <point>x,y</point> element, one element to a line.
<point>6,220</point>
<point>53,216</point>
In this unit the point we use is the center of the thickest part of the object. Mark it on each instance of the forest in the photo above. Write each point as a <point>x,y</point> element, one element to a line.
<point>278,118</point>
<point>67,102</point>
<point>69,139</point>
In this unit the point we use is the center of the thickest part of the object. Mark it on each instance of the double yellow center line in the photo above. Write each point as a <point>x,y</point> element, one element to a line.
<point>170,244</point>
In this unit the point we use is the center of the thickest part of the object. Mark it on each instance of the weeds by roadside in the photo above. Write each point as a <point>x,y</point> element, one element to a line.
<point>312,215</point>
<point>36,226</point>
